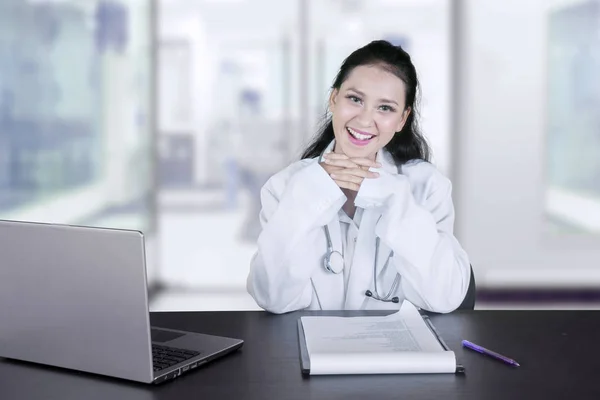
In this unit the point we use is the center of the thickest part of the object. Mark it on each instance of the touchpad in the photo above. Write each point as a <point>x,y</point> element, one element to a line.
<point>159,335</point>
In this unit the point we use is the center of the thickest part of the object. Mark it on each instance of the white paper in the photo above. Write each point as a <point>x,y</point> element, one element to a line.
<point>397,343</point>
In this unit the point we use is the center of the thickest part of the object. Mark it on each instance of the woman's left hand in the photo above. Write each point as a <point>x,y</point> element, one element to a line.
<point>349,172</point>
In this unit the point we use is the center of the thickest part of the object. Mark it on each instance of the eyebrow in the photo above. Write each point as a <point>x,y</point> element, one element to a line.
<point>382,100</point>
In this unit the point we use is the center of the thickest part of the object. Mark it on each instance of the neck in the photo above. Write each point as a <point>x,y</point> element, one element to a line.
<point>350,194</point>
<point>349,207</point>
<point>372,157</point>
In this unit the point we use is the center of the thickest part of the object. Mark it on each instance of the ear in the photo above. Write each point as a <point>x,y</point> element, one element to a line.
<point>333,99</point>
<point>405,115</point>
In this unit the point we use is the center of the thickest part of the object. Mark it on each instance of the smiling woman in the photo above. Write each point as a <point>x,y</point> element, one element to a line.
<point>374,93</point>
<point>363,120</point>
<point>363,210</point>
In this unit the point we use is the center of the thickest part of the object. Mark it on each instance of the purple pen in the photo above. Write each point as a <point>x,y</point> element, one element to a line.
<point>490,353</point>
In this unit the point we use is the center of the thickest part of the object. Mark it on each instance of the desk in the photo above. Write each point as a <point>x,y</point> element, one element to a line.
<point>558,352</point>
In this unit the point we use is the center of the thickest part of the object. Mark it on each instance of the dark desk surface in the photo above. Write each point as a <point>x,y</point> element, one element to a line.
<point>558,351</point>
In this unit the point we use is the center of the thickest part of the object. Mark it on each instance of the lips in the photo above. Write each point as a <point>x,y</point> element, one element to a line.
<point>360,135</point>
<point>359,138</point>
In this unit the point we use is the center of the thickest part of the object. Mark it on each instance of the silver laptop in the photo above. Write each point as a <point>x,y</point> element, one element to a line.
<point>76,297</point>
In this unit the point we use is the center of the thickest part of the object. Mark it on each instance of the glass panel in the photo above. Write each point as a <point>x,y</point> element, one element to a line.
<point>49,106</point>
<point>75,141</point>
<point>573,118</point>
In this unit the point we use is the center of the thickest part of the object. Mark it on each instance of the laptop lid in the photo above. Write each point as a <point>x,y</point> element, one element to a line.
<point>75,297</point>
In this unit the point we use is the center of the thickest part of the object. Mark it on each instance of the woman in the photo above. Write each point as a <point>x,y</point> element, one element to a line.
<point>363,221</point>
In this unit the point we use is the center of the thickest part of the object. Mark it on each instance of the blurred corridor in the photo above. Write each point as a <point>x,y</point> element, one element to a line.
<point>167,116</point>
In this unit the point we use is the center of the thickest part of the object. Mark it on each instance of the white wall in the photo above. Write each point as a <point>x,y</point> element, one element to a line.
<point>500,191</point>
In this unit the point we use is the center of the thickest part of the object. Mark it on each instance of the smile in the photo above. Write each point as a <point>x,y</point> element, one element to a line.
<point>359,138</point>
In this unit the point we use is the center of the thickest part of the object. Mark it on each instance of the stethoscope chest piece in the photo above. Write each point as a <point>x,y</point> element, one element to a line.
<point>334,262</point>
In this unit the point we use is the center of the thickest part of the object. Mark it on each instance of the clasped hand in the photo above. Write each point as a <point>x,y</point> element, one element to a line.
<point>349,173</point>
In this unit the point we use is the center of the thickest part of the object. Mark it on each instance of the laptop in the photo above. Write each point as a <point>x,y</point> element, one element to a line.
<point>76,297</point>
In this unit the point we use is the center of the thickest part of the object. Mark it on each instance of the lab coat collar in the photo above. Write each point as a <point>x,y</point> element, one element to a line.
<point>383,156</point>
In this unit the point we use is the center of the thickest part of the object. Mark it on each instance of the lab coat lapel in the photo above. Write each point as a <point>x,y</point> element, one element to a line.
<point>361,277</point>
<point>330,286</point>
<point>361,274</point>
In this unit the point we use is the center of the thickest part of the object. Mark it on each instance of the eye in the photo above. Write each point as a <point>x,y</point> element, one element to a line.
<point>353,98</point>
<point>387,108</point>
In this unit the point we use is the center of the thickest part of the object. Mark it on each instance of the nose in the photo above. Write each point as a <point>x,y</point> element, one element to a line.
<point>365,118</point>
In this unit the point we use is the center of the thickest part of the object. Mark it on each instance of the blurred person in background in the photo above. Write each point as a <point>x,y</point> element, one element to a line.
<point>363,220</point>
<point>257,154</point>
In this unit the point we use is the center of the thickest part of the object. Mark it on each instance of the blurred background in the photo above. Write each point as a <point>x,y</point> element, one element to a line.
<point>167,116</point>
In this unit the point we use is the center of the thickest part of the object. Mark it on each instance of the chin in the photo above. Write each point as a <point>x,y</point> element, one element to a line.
<point>354,152</point>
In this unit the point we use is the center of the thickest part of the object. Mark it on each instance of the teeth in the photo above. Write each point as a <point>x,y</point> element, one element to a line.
<point>359,136</point>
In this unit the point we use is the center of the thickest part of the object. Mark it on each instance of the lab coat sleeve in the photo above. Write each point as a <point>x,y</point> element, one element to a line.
<point>435,270</point>
<point>292,218</point>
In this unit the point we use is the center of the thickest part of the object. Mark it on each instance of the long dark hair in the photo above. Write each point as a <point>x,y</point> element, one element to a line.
<point>409,143</point>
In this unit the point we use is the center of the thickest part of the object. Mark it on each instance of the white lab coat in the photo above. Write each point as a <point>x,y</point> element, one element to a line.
<point>411,212</point>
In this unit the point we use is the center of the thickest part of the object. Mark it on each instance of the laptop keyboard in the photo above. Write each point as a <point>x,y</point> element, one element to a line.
<point>164,357</point>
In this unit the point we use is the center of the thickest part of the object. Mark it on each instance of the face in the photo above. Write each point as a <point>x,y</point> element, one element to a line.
<point>367,111</point>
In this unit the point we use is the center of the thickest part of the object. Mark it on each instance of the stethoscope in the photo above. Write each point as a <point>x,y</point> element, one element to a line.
<point>334,263</point>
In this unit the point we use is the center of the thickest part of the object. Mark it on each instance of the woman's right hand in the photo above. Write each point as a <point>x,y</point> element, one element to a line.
<point>349,173</point>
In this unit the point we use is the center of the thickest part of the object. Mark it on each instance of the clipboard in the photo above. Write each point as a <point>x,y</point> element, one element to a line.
<point>460,369</point>
<point>305,358</point>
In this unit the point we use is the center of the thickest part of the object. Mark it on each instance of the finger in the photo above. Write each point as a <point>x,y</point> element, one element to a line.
<point>331,168</point>
<point>343,160</point>
<point>363,173</point>
<point>348,185</point>
<point>357,160</point>
<point>341,163</point>
<point>347,177</point>
<point>365,162</point>
<point>369,174</point>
